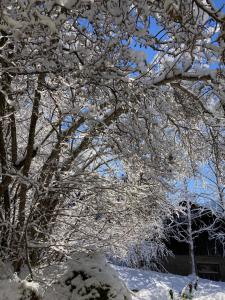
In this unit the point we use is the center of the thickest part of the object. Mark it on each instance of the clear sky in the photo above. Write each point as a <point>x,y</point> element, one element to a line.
<point>219,4</point>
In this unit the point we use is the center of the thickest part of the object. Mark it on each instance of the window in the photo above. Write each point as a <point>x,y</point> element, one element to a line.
<point>208,271</point>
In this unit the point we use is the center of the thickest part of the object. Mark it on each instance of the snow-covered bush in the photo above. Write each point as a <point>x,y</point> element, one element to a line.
<point>12,288</point>
<point>15,289</point>
<point>147,255</point>
<point>187,291</point>
<point>88,277</point>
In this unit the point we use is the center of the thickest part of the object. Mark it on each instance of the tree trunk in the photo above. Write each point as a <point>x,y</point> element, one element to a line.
<point>191,241</point>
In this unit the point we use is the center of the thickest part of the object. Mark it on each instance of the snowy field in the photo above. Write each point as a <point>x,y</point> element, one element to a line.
<point>156,286</point>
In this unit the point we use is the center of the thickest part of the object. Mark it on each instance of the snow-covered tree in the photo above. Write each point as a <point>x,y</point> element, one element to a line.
<point>196,227</point>
<point>80,95</point>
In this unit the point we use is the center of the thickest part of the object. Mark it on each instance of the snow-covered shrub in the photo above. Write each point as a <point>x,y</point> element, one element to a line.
<point>187,291</point>
<point>14,289</point>
<point>88,277</point>
<point>28,291</point>
<point>147,255</point>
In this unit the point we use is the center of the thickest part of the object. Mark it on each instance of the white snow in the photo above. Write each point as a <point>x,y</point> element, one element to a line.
<point>156,286</point>
<point>88,277</point>
<point>148,284</point>
<point>70,3</point>
<point>15,289</point>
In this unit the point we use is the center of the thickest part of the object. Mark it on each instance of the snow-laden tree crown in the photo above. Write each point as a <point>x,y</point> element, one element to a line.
<point>80,95</point>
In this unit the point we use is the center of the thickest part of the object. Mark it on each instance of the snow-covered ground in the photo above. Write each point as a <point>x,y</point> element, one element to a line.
<point>156,286</point>
<point>85,273</point>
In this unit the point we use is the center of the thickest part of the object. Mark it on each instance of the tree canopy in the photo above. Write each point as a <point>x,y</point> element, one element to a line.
<point>89,85</point>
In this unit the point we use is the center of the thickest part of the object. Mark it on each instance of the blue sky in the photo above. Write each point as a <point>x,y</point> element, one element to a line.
<point>155,28</point>
<point>219,4</point>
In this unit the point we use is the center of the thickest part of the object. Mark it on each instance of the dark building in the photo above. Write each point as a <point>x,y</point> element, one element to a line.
<point>209,248</point>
